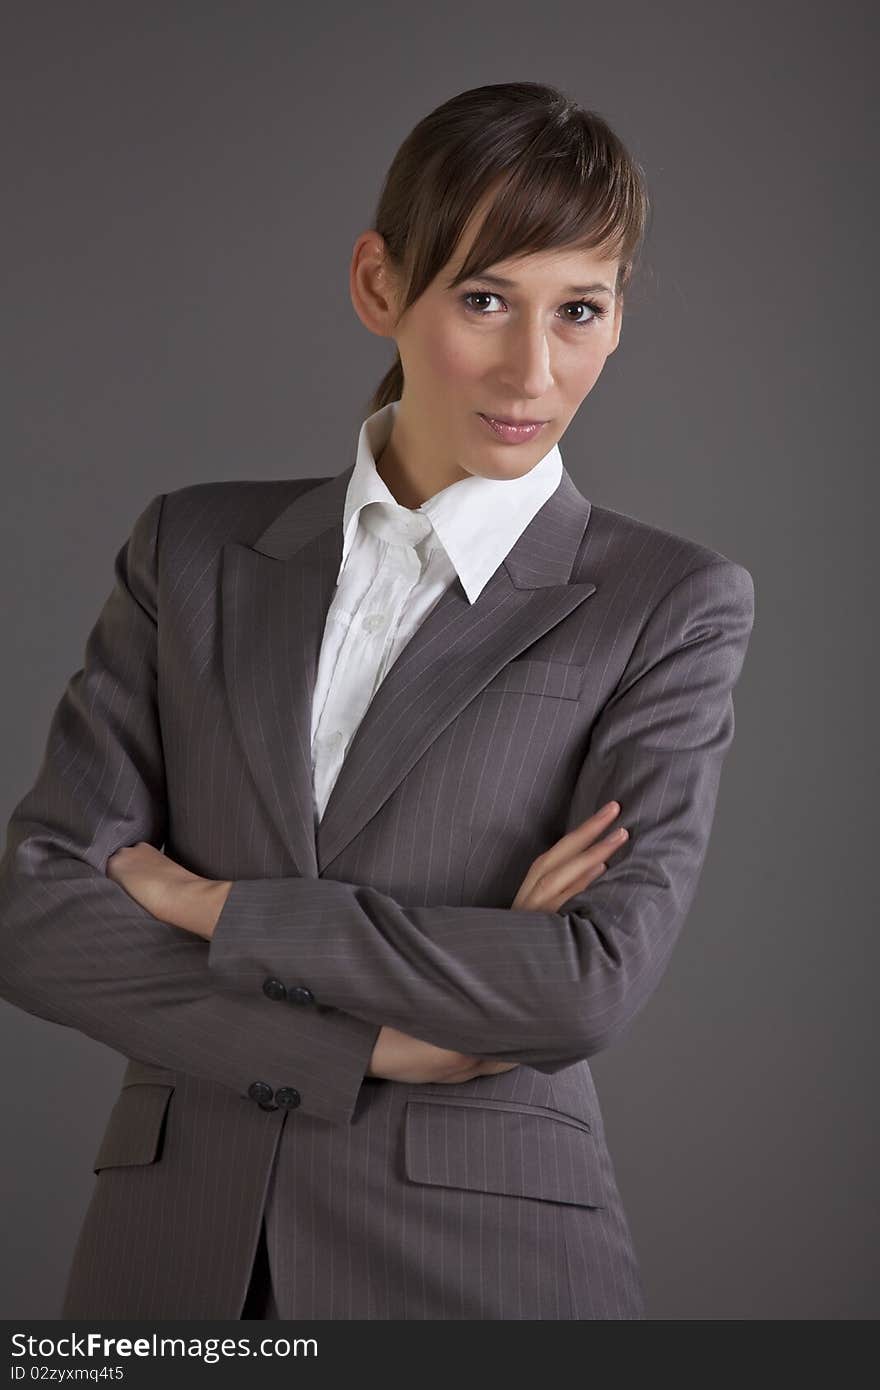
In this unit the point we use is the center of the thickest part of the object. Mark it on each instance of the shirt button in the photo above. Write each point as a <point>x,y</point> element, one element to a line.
<point>374,622</point>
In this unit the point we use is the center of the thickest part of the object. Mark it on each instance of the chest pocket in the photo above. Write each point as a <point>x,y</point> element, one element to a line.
<point>529,676</point>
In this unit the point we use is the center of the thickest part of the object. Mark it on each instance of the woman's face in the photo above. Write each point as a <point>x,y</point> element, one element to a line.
<point>531,349</point>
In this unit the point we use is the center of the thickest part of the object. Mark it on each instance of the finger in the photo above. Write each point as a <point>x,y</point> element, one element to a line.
<point>566,874</point>
<point>582,834</point>
<point>546,901</point>
<point>552,889</point>
<point>578,887</point>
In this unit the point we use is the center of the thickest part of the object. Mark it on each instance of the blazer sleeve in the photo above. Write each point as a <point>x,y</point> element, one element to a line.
<point>75,948</point>
<point>542,988</point>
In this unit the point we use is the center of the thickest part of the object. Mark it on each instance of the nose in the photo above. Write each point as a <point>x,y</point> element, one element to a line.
<point>526,368</point>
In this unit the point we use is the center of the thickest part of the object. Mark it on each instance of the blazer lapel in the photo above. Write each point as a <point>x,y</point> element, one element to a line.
<point>275,597</point>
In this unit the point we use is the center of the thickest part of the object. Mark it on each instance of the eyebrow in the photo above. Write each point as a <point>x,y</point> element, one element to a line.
<point>505,284</point>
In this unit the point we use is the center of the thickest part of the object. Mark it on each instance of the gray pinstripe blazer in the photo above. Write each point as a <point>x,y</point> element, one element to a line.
<point>598,662</point>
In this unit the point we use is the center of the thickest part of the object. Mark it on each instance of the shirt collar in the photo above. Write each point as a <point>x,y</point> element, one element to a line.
<point>476,520</point>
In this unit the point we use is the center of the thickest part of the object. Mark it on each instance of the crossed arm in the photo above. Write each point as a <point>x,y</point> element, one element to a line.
<point>538,987</point>
<point>541,988</point>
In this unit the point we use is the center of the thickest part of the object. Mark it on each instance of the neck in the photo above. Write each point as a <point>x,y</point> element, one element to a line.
<point>410,486</point>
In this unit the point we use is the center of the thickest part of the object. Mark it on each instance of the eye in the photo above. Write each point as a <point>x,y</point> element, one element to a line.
<point>597,311</point>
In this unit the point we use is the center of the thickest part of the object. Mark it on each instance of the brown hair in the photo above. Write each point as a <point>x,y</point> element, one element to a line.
<point>561,176</point>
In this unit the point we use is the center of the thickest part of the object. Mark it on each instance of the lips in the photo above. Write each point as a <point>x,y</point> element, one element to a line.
<point>512,434</point>
<point>505,420</point>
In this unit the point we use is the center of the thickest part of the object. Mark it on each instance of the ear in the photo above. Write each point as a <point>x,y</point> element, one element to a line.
<point>371,286</point>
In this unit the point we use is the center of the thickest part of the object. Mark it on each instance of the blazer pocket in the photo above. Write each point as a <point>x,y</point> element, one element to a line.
<point>526,676</point>
<point>136,1126</point>
<point>502,1146</point>
<point>137,1071</point>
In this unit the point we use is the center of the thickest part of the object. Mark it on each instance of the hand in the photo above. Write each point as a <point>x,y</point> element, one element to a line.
<point>568,867</point>
<point>563,870</point>
<point>398,1057</point>
<point>167,890</point>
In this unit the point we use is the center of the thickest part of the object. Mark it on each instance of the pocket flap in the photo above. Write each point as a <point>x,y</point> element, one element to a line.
<point>137,1071</point>
<point>531,677</point>
<point>516,1149</point>
<point>135,1127</point>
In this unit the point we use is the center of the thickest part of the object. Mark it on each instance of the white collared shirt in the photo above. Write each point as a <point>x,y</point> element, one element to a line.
<point>396,564</point>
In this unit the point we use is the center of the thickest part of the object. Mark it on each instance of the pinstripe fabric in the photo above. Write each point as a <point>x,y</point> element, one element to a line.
<point>599,661</point>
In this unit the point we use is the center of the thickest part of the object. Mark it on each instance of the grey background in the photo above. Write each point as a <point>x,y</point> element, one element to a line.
<point>184,186</point>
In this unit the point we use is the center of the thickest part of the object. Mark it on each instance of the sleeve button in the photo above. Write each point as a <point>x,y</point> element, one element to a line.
<point>300,994</point>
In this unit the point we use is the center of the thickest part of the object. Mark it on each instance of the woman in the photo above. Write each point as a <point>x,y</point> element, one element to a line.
<point>324,839</point>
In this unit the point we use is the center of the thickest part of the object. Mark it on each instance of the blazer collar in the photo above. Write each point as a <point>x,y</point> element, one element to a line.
<point>275,597</point>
